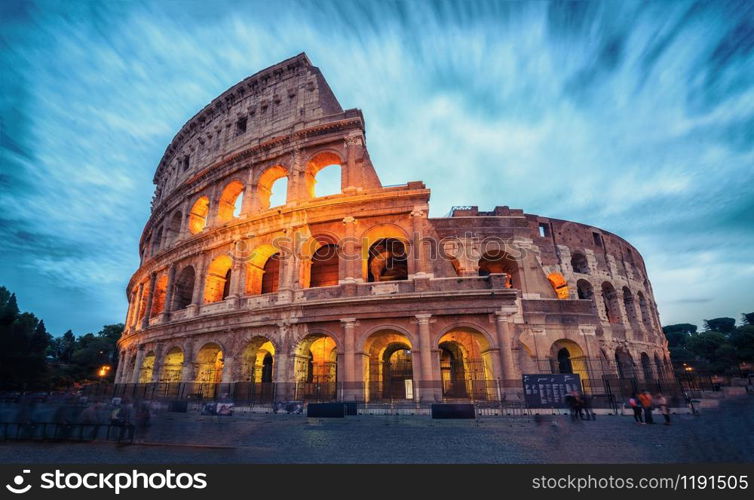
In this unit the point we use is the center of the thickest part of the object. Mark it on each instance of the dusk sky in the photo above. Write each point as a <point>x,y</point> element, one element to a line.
<point>636,117</point>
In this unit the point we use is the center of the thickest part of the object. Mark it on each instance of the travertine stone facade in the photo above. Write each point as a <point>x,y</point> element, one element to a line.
<point>360,295</point>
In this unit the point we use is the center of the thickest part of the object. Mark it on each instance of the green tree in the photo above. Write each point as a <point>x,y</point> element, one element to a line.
<point>23,346</point>
<point>722,325</point>
<point>743,341</point>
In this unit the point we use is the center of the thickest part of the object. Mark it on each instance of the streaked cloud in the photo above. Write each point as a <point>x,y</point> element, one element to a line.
<point>637,117</point>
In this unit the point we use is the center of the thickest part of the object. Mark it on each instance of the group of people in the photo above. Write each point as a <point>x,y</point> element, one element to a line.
<point>643,403</point>
<point>580,406</point>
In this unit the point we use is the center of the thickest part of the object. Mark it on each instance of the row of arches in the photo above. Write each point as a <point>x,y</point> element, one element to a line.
<point>386,259</point>
<point>463,365</point>
<point>611,303</point>
<point>388,365</point>
<point>322,178</point>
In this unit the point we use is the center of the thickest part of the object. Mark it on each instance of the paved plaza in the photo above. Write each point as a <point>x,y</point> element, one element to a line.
<point>725,434</point>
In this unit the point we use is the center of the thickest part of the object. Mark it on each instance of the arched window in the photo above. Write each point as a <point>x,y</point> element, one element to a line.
<point>646,366</point>
<point>324,266</point>
<point>231,201</point>
<point>156,240</point>
<point>579,263</point>
<point>271,274</point>
<point>498,261</point>
<point>585,290</point>
<point>198,215</point>
<point>323,175</point>
<point>160,290</point>
<point>610,298</point>
<point>645,317</point>
<point>388,261</point>
<point>564,361</point>
<point>184,288</point>
<point>217,286</point>
<point>272,187</point>
<point>628,304</point>
<point>173,228</point>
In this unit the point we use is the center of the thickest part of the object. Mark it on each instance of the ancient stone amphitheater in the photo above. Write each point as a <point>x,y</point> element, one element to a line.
<point>254,285</point>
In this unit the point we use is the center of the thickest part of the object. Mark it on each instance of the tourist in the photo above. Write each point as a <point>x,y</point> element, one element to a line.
<point>586,403</point>
<point>662,404</point>
<point>645,398</point>
<point>636,407</point>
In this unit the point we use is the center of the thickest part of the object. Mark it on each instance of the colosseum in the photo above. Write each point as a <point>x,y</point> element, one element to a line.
<point>255,286</point>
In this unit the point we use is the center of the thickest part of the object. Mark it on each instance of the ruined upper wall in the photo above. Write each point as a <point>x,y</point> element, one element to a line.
<point>272,102</point>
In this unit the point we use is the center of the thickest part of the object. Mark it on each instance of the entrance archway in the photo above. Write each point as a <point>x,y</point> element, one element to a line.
<point>209,370</point>
<point>388,370</point>
<point>466,365</point>
<point>257,360</point>
<point>568,357</point>
<point>316,368</point>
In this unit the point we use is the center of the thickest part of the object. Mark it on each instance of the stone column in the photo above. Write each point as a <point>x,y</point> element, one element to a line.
<point>168,307</point>
<point>157,363</point>
<point>148,313</point>
<point>185,208</point>
<point>137,310</point>
<point>187,371</point>
<point>426,385</point>
<point>351,267</point>
<point>417,255</point>
<point>199,280</point>
<point>505,342</point>
<point>227,369</point>
<point>350,382</point>
<point>137,365</point>
<point>281,365</point>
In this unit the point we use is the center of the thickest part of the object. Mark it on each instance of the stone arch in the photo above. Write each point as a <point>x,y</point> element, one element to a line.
<point>267,180</point>
<point>387,365</point>
<point>628,305</point>
<point>624,363</point>
<point>257,360</point>
<point>318,162</point>
<point>230,203</point>
<point>393,237</point>
<point>584,290</point>
<point>568,357</point>
<point>156,240</point>
<point>172,365</point>
<point>315,367</point>
<point>147,368</point>
<point>320,262</point>
<point>659,367</point>
<point>160,291</point>
<point>499,261</point>
<point>646,367</point>
<point>263,270</point>
<point>173,228</point>
<point>610,300</point>
<point>209,366</point>
<point>466,365</point>
<point>183,290</point>
<point>198,215</point>
<point>645,316</point>
<point>579,264</point>
<point>217,281</point>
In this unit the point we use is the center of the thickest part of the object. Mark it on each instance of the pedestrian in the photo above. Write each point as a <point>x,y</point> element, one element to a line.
<point>586,403</point>
<point>645,398</point>
<point>662,404</point>
<point>636,407</point>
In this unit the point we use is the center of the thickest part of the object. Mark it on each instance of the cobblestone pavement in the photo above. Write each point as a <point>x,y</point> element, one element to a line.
<point>720,435</point>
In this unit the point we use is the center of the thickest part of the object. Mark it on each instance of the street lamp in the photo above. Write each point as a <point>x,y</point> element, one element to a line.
<point>104,370</point>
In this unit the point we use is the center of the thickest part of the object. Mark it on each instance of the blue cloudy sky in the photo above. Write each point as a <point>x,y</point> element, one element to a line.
<point>637,117</point>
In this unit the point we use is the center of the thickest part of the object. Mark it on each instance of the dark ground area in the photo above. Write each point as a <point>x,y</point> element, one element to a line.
<point>725,434</point>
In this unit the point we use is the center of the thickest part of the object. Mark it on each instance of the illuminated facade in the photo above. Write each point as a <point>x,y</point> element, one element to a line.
<point>254,285</point>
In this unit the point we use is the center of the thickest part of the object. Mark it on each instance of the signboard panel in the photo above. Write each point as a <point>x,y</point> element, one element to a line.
<point>549,391</point>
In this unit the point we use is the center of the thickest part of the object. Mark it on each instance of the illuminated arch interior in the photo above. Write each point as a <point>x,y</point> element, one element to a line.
<point>198,215</point>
